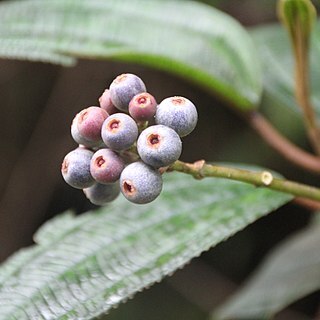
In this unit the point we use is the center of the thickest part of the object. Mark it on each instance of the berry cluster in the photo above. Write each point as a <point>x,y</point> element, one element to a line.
<point>121,152</point>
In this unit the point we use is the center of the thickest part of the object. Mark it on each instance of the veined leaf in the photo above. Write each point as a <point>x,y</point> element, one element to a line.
<point>83,266</point>
<point>190,39</point>
<point>290,272</point>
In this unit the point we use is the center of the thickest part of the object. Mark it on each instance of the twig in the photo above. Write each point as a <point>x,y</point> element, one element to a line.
<point>299,24</point>
<point>308,204</point>
<point>302,92</point>
<point>282,145</point>
<point>200,170</point>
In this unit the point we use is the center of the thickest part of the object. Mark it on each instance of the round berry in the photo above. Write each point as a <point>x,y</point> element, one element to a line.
<point>178,113</point>
<point>77,137</point>
<point>124,88</point>
<point>159,146</point>
<point>75,168</point>
<point>119,132</point>
<point>106,103</point>
<point>101,194</point>
<point>90,121</point>
<point>142,107</point>
<point>140,183</point>
<point>106,166</point>
<point>86,126</point>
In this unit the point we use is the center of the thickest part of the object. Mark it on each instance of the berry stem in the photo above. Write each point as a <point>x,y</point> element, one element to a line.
<point>200,169</point>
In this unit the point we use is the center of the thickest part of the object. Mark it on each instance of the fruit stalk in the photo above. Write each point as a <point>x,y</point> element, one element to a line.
<point>200,169</point>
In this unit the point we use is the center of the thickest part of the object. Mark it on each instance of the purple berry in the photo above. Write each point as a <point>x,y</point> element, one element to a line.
<point>178,113</point>
<point>124,88</point>
<point>101,194</point>
<point>119,132</point>
<point>159,146</point>
<point>86,126</point>
<point>140,183</point>
<point>75,168</point>
<point>106,166</point>
<point>143,107</point>
<point>90,121</point>
<point>77,137</point>
<point>106,103</point>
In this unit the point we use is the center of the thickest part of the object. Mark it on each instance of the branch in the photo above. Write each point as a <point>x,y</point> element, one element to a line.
<point>200,170</point>
<point>282,145</point>
<point>302,91</point>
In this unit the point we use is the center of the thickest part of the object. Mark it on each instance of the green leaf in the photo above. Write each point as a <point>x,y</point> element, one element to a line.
<point>83,266</point>
<point>289,273</point>
<point>189,39</point>
<point>275,52</point>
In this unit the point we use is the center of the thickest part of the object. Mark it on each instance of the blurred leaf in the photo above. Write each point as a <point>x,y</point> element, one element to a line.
<point>278,74</point>
<point>289,273</point>
<point>190,39</point>
<point>83,266</point>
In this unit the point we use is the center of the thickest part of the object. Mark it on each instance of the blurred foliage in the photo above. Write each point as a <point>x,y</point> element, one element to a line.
<point>214,51</point>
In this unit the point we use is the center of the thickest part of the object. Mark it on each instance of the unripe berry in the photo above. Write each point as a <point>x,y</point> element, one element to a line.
<point>77,137</point>
<point>106,166</point>
<point>90,121</point>
<point>159,146</point>
<point>86,126</point>
<point>140,183</point>
<point>178,113</point>
<point>101,194</point>
<point>124,88</point>
<point>119,132</point>
<point>75,168</point>
<point>142,107</point>
<point>106,103</point>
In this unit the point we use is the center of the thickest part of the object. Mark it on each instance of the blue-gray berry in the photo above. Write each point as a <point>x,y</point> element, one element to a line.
<point>75,168</point>
<point>159,146</point>
<point>106,166</point>
<point>178,113</point>
<point>101,194</point>
<point>140,183</point>
<point>124,88</point>
<point>119,132</point>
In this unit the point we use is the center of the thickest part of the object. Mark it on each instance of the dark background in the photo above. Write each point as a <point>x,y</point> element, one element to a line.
<point>38,103</point>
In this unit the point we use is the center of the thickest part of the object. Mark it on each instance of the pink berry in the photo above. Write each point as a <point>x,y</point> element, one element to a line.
<point>143,107</point>
<point>106,103</point>
<point>90,122</point>
<point>106,166</point>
